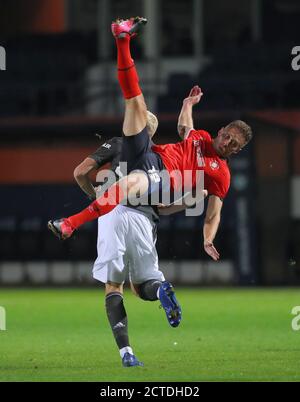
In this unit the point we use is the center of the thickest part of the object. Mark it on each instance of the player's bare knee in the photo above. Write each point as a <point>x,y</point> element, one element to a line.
<point>138,179</point>
<point>135,119</point>
<point>137,103</point>
<point>111,287</point>
<point>137,184</point>
<point>123,184</point>
<point>135,289</point>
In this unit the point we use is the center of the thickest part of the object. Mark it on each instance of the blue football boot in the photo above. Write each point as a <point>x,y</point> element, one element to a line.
<point>170,304</point>
<point>130,361</point>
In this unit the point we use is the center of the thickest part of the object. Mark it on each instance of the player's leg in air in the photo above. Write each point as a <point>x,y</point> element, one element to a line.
<point>152,290</point>
<point>147,279</point>
<point>136,140</point>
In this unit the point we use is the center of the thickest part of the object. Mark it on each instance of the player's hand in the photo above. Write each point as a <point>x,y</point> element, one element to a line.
<point>194,96</point>
<point>211,250</point>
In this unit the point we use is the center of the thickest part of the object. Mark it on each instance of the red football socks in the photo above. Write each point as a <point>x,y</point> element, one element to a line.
<point>103,205</point>
<point>124,58</point>
<point>127,75</point>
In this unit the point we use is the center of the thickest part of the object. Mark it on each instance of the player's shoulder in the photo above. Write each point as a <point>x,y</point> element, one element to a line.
<point>194,134</point>
<point>108,150</point>
<point>118,140</point>
<point>113,145</point>
<point>113,141</point>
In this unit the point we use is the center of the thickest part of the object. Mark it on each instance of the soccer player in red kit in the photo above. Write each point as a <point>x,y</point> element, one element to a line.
<point>197,152</point>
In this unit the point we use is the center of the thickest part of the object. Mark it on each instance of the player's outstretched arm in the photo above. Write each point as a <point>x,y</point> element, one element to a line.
<point>186,201</point>
<point>211,224</point>
<point>103,155</point>
<point>129,187</point>
<point>82,176</point>
<point>185,119</point>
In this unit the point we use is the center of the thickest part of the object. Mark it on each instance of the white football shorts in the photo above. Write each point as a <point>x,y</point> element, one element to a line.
<point>126,246</point>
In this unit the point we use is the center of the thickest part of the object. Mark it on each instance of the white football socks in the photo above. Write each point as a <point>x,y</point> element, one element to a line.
<point>125,350</point>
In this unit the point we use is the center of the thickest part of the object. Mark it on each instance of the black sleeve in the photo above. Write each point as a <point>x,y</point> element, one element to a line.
<point>108,151</point>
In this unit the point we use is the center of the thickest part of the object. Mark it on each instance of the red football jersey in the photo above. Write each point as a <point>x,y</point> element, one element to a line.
<point>194,153</point>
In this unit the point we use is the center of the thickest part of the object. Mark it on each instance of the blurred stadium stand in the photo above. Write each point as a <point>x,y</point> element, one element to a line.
<point>60,88</point>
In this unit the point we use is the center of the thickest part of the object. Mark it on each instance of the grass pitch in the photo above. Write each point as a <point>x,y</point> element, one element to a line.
<point>225,335</point>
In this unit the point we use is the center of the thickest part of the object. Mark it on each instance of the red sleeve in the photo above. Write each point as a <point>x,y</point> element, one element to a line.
<point>198,135</point>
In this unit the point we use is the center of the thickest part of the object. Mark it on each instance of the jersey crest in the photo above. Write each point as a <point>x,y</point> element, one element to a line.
<point>154,175</point>
<point>214,164</point>
<point>106,145</point>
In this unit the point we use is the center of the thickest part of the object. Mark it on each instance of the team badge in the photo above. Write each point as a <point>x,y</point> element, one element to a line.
<point>106,145</point>
<point>154,175</point>
<point>214,165</point>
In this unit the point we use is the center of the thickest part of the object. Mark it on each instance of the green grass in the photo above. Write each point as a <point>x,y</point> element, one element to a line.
<point>225,335</point>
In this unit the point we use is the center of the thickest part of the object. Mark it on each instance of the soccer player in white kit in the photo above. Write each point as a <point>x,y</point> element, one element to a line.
<point>128,234</point>
<point>126,246</point>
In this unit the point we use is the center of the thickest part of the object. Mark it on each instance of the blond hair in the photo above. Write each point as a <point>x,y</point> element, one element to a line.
<point>152,123</point>
<point>243,128</point>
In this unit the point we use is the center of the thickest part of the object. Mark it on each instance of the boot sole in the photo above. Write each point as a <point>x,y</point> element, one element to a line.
<point>54,230</point>
<point>176,311</point>
<point>140,22</point>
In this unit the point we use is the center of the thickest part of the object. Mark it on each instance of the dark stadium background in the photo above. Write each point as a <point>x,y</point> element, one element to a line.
<point>59,89</point>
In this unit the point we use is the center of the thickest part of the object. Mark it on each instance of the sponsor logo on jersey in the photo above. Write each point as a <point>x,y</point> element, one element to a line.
<point>154,175</point>
<point>106,145</point>
<point>214,164</point>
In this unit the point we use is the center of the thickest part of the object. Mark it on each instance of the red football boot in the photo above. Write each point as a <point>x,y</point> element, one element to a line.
<point>61,228</point>
<point>130,27</point>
